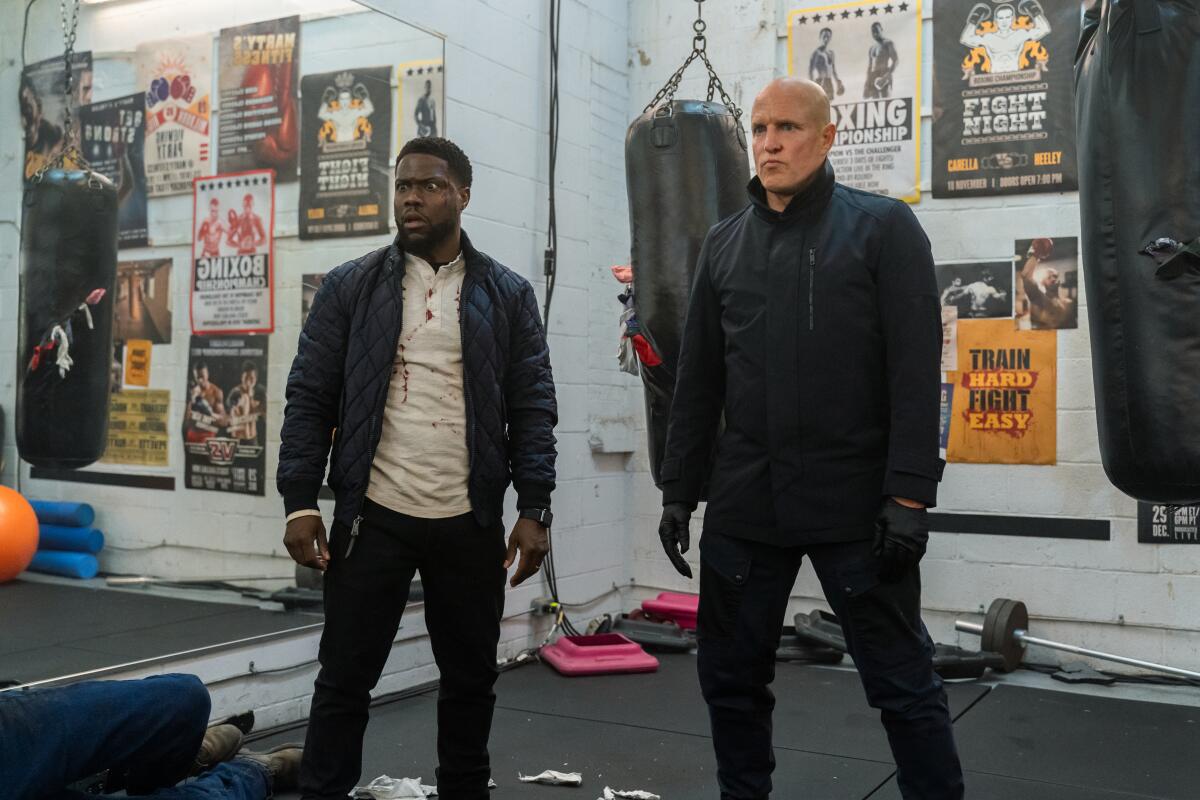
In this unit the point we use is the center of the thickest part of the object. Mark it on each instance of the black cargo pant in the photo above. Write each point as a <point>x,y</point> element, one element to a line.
<point>744,591</point>
<point>462,574</point>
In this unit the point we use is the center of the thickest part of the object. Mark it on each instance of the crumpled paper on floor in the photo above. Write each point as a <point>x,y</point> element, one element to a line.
<point>627,794</point>
<point>385,788</point>
<point>552,778</point>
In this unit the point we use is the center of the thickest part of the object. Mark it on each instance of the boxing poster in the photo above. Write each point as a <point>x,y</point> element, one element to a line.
<point>867,57</point>
<point>259,123</point>
<point>137,428</point>
<point>1005,395</point>
<point>176,77</point>
<point>143,307</point>
<point>345,153</point>
<point>41,95</point>
<point>113,140</point>
<point>1047,283</point>
<point>980,290</point>
<point>422,99</point>
<point>308,291</point>
<point>225,417</point>
<point>949,338</point>
<point>1003,106</point>
<point>1163,524</point>
<point>233,225</point>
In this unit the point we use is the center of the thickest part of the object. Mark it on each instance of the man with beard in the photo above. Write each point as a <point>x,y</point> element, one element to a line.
<point>43,139</point>
<point>430,359</point>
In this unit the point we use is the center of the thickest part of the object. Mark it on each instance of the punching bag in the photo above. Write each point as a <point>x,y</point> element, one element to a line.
<point>64,342</point>
<point>1137,102</point>
<point>686,168</point>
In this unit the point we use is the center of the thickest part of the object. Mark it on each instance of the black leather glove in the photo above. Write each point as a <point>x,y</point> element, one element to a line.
<point>901,534</point>
<point>675,535</point>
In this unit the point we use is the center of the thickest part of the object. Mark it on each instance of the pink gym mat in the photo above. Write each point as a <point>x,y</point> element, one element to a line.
<point>600,654</point>
<point>680,608</point>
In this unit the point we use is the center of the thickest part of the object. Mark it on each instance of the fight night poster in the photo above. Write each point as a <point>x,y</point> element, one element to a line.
<point>345,153</point>
<point>42,99</point>
<point>177,79</point>
<point>113,137</point>
<point>232,254</point>
<point>867,57</point>
<point>1003,105</point>
<point>225,415</point>
<point>1004,405</point>
<point>259,123</point>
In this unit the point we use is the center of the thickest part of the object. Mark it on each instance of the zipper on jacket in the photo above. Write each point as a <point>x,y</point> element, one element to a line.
<point>462,325</point>
<point>812,268</point>
<point>353,535</point>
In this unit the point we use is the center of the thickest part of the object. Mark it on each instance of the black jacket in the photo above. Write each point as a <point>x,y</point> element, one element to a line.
<point>817,331</point>
<point>343,366</point>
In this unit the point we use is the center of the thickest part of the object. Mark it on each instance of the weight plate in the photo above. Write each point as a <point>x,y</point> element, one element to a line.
<point>1010,617</point>
<point>992,640</point>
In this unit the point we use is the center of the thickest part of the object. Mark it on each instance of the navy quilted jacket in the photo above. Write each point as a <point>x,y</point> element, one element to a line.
<point>343,365</point>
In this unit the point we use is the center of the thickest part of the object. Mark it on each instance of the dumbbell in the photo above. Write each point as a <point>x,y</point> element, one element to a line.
<point>1005,631</point>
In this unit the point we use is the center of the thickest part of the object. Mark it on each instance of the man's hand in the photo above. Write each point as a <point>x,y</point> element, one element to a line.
<point>675,535</point>
<point>306,543</point>
<point>901,534</point>
<point>531,539</point>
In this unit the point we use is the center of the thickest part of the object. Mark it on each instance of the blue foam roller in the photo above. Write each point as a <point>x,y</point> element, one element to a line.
<point>72,515</point>
<point>75,540</point>
<point>69,565</point>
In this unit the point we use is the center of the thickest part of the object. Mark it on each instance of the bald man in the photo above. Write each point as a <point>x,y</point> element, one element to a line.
<point>814,327</point>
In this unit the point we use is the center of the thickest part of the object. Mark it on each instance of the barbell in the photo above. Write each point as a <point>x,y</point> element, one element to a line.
<point>1005,630</point>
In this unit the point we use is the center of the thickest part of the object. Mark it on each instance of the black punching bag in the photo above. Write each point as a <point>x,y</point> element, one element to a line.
<point>686,168</point>
<point>1137,101</point>
<point>64,344</point>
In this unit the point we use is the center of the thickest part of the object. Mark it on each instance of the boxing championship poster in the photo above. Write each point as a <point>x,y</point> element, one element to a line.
<point>137,428</point>
<point>980,290</point>
<point>233,226</point>
<point>867,57</point>
<point>421,99</point>
<point>1047,283</point>
<point>225,416</point>
<point>1005,395</point>
<point>259,123</point>
<point>177,79</point>
<point>1003,105</point>
<point>1163,524</point>
<point>43,101</point>
<point>113,140</point>
<point>345,153</point>
<point>143,306</point>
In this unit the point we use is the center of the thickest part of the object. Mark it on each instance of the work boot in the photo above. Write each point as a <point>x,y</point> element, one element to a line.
<point>221,743</point>
<point>282,762</point>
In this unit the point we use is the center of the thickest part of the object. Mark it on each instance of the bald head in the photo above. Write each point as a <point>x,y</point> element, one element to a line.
<point>805,96</point>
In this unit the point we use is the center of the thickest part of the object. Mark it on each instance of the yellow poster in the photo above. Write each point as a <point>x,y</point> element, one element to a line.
<point>1005,396</point>
<point>137,362</point>
<point>137,428</point>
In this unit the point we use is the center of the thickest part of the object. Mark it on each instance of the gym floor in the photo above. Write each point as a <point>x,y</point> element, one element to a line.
<point>1020,738</point>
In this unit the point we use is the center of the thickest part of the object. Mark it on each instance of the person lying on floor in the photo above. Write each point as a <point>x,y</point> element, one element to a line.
<point>150,735</point>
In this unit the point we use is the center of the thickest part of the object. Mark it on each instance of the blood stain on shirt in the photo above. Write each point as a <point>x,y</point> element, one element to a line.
<point>428,314</point>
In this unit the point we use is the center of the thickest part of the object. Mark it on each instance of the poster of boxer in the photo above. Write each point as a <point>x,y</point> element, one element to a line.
<point>42,100</point>
<point>259,123</point>
<point>232,288</point>
<point>225,416</point>
<point>1003,108</point>
<point>422,99</point>
<point>867,57</point>
<point>1005,399</point>
<point>113,140</point>
<point>176,77</point>
<point>980,290</point>
<point>345,153</point>
<point>1047,283</point>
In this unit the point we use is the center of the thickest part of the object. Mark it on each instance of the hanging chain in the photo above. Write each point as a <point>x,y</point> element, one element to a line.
<point>699,50</point>
<point>70,152</point>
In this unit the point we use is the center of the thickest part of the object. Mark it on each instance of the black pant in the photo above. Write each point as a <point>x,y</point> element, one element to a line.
<point>744,591</point>
<point>462,573</point>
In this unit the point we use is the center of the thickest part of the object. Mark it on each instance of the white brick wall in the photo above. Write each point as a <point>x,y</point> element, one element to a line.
<point>1085,586</point>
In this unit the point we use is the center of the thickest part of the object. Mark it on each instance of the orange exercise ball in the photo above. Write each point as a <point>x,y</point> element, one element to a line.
<point>18,534</point>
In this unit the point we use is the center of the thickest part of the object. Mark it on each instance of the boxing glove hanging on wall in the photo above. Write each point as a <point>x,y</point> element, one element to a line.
<point>64,343</point>
<point>1137,102</point>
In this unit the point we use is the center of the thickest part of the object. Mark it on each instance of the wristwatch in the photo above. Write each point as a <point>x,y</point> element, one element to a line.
<point>542,516</point>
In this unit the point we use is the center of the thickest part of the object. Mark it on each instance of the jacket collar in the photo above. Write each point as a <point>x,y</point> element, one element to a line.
<point>809,203</point>
<point>477,262</point>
